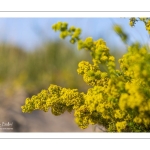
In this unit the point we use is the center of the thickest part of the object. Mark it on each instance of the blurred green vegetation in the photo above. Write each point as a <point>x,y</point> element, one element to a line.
<point>51,63</point>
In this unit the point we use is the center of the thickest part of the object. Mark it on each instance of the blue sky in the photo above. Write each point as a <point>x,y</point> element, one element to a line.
<point>31,32</point>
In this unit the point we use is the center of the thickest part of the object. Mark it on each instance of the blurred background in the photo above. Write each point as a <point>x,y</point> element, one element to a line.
<point>32,57</point>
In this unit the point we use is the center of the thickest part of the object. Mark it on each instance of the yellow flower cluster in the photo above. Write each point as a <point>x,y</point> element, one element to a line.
<point>121,125</point>
<point>145,20</point>
<point>72,31</point>
<point>57,98</point>
<point>92,74</point>
<point>133,21</point>
<point>118,99</point>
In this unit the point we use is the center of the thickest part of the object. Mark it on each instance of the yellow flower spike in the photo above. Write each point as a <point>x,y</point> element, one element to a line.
<point>104,58</point>
<point>111,58</point>
<point>123,101</point>
<point>145,73</point>
<point>72,28</point>
<point>137,120</point>
<point>146,122</point>
<point>104,75</point>
<point>121,126</point>
<point>119,114</point>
